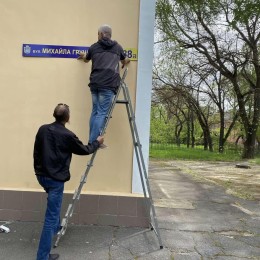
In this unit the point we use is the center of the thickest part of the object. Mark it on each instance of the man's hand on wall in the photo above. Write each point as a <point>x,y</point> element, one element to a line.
<point>125,62</point>
<point>82,56</point>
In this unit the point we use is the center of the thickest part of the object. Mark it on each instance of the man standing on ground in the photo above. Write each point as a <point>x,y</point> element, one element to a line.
<point>53,149</point>
<point>104,78</point>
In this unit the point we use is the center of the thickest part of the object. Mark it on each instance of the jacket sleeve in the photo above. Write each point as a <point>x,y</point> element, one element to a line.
<point>89,53</point>
<point>37,151</point>
<point>77,147</point>
<point>121,52</point>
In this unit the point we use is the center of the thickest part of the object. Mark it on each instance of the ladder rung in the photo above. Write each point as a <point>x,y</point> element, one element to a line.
<point>63,222</point>
<point>68,210</point>
<point>122,101</point>
<point>75,194</point>
<point>78,196</point>
<point>83,179</point>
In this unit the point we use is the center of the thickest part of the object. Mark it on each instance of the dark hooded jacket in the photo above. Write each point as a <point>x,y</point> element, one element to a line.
<point>105,55</point>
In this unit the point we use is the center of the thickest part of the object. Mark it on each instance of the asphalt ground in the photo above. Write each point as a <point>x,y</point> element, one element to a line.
<point>198,219</point>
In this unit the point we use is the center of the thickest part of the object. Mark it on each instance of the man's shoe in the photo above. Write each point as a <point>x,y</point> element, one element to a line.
<point>53,256</point>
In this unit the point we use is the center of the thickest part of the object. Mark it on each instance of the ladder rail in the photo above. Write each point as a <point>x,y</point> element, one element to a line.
<point>138,141</point>
<point>131,118</point>
<point>140,153</point>
<point>147,206</point>
<point>77,192</point>
<point>75,198</point>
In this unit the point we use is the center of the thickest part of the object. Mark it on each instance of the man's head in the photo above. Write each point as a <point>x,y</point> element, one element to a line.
<point>62,113</point>
<point>104,31</point>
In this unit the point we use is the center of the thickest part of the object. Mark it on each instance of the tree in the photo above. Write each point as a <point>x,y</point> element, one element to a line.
<point>168,93</point>
<point>216,88</point>
<point>224,34</point>
<point>177,112</point>
<point>160,125</point>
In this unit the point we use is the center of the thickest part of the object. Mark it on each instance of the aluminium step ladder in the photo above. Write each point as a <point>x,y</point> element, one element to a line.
<point>149,206</point>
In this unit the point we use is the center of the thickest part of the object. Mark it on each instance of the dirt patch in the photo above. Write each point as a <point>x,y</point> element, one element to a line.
<point>241,182</point>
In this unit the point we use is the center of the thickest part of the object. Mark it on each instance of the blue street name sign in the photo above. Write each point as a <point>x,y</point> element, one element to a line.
<point>52,51</point>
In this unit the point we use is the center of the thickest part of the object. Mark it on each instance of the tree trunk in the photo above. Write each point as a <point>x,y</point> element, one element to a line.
<point>205,141</point>
<point>249,145</point>
<point>207,138</point>
<point>188,129</point>
<point>192,131</point>
<point>210,144</point>
<point>221,132</point>
<point>178,129</point>
<point>240,136</point>
<point>251,129</point>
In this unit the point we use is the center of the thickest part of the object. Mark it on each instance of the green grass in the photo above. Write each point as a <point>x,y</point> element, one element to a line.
<point>168,151</point>
<point>256,160</point>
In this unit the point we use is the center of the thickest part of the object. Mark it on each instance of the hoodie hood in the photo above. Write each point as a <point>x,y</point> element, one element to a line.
<point>107,43</point>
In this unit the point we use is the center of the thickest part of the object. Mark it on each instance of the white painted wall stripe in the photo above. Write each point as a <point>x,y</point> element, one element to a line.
<point>144,84</point>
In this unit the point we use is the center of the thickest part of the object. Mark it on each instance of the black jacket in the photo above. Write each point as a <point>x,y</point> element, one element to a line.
<point>105,55</point>
<point>53,149</point>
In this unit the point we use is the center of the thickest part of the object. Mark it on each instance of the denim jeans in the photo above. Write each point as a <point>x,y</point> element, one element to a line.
<point>101,102</point>
<point>51,225</point>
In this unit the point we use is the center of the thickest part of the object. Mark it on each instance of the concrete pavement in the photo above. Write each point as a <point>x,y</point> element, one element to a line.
<point>197,220</point>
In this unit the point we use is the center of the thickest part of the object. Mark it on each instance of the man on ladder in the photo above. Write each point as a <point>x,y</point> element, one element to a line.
<point>104,78</point>
<point>105,86</point>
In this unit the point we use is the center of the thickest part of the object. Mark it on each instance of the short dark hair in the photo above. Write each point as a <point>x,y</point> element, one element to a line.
<point>62,113</point>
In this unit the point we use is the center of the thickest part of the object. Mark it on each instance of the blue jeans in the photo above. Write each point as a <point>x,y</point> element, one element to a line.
<point>101,102</point>
<point>52,216</point>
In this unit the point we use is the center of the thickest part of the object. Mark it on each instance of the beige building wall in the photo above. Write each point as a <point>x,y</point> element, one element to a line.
<point>31,87</point>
